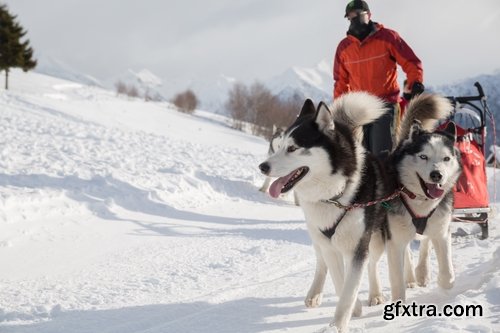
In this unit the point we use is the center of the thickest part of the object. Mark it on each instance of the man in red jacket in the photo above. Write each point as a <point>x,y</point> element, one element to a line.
<point>366,60</point>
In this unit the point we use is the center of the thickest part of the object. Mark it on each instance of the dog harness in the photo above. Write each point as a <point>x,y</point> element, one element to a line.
<point>420,222</point>
<point>329,232</point>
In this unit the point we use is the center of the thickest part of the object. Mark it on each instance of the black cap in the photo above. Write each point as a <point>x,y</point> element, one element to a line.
<point>356,5</point>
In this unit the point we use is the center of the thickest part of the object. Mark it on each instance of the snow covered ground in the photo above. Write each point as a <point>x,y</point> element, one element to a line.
<point>118,215</point>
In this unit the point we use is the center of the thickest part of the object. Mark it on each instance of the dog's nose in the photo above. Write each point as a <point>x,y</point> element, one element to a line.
<point>436,176</point>
<point>265,168</point>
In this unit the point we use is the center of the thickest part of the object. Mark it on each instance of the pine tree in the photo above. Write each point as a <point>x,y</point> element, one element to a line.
<point>13,51</point>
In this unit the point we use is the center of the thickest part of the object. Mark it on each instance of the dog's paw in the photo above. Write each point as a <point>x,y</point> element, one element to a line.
<point>411,285</point>
<point>423,276</point>
<point>358,309</point>
<point>446,282</point>
<point>263,189</point>
<point>376,300</point>
<point>423,282</point>
<point>411,280</point>
<point>313,301</point>
<point>329,329</point>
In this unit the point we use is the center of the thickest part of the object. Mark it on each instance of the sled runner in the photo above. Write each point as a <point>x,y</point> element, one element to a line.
<point>471,191</point>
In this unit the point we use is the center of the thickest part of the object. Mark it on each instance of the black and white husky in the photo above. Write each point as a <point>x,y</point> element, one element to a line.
<point>426,165</point>
<point>322,158</point>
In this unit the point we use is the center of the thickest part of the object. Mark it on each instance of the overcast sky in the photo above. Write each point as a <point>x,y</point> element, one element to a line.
<point>251,39</point>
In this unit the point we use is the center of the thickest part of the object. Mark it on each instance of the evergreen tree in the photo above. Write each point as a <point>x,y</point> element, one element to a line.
<point>13,51</point>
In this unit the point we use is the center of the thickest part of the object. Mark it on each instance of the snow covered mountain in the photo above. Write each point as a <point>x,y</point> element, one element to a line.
<point>305,82</point>
<point>315,83</point>
<point>56,68</point>
<point>145,81</point>
<point>212,93</point>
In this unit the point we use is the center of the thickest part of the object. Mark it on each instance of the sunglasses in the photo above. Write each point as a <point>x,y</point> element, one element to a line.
<point>356,13</point>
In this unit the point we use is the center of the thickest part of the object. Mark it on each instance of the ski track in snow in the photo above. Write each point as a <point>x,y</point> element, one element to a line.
<point>118,215</point>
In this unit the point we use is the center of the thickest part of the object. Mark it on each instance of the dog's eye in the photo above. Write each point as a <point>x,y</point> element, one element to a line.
<point>447,159</point>
<point>291,149</point>
<point>424,157</point>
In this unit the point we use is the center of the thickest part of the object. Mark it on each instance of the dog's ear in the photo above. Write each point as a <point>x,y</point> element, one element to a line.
<point>308,108</point>
<point>451,129</point>
<point>415,130</point>
<point>324,118</point>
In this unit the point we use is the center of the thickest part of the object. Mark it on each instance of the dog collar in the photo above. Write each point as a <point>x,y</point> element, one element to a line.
<point>335,200</point>
<point>409,193</point>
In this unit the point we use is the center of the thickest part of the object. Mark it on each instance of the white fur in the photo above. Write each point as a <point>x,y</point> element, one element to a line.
<point>360,108</point>
<point>357,109</point>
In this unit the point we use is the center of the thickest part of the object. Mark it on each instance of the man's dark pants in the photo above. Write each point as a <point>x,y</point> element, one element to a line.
<point>378,136</point>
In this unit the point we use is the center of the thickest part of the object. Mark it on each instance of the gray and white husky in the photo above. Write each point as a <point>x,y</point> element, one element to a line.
<point>426,165</point>
<point>322,158</point>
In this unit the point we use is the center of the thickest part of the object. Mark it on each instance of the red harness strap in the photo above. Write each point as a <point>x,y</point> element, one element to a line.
<point>329,232</point>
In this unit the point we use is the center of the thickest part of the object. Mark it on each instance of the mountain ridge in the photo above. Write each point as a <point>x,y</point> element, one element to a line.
<point>314,82</point>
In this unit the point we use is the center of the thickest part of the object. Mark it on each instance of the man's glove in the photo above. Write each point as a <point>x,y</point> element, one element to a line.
<point>416,89</point>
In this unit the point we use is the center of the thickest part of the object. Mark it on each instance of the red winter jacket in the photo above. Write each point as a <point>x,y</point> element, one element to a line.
<point>370,65</point>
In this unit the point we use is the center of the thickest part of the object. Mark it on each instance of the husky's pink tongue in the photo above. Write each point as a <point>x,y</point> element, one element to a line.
<point>278,184</point>
<point>434,191</point>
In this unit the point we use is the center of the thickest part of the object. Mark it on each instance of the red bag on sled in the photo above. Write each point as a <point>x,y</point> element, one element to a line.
<point>471,190</point>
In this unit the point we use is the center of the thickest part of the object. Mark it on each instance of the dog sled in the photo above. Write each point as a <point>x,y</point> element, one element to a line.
<point>471,191</point>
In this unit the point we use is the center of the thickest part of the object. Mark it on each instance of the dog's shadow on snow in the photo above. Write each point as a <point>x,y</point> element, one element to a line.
<point>250,315</point>
<point>101,193</point>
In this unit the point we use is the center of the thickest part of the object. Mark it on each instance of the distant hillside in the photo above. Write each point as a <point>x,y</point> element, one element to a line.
<point>307,82</point>
<point>56,68</point>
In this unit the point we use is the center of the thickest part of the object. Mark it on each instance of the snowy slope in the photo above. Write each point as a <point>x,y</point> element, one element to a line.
<point>118,215</point>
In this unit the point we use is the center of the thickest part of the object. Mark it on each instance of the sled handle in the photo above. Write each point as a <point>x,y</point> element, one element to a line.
<point>465,99</point>
<point>479,89</point>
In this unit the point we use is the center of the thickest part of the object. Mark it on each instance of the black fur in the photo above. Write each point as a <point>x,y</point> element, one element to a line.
<point>339,143</point>
<point>373,186</point>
